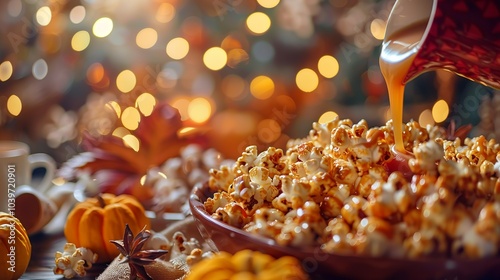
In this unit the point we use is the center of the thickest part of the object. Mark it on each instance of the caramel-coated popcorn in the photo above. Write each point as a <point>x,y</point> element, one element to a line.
<point>340,188</point>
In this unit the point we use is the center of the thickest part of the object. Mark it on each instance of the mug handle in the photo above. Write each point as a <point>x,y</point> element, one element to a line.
<point>41,160</point>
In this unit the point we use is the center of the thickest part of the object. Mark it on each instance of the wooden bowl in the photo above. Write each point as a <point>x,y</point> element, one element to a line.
<point>322,265</point>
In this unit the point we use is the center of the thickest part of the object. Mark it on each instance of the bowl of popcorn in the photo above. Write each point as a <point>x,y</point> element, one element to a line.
<point>348,206</point>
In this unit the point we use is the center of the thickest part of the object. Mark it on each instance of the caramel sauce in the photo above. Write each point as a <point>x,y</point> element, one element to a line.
<point>398,52</point>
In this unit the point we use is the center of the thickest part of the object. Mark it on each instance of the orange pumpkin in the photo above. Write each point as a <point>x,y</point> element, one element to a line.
<point>15,247</point>
<point>95,221</point>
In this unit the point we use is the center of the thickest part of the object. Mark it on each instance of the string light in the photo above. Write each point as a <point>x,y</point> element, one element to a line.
<point>14,105</point>
<point>43,16</point>
<point>102,27</point>
<point>5,70</point>
<point>440,111</point>
<point>215,58</point>
<point>125,82</point>
<point>307,80</point>
<point>77,14</point>
<point>80,40</point>
<point>177,48</point>
<point>328,66</point>
<point>258,23</point>
<point>262,87</point>
<point>146,38</point>
<point>40,69</point>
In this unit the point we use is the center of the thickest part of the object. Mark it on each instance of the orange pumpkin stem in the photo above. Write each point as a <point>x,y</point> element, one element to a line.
<point>102,203</point>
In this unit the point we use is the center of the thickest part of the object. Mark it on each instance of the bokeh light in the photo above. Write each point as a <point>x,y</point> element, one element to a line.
<point>131,141</point>
<point>43,16</point>
<point>14,105</point>
<point>165,13</point>
<point>268,3</point>
<point>131,118</point>
<point>440,111</point>
<point>262,87</point>
<point>145,103</point>
<point>177,48</point>
<point>40,69</point>
<point>14,8</point>
<point>80,40</point>
<point>327,117</point>
<point>199,110</point>
<point>102,27</point>
<point>77,14</point>
<point>6,70</point>
<point>425,118</point>
<point>146,38</point>
<point>377,28</point>
<point>328,66</point>
<point>125,81</point>
<point>215,58</point>
<point>307,80</point>
<point>236,57</point>
<point>258,23</point>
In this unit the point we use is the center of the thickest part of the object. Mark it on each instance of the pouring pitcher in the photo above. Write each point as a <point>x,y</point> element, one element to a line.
<point>462,36</point>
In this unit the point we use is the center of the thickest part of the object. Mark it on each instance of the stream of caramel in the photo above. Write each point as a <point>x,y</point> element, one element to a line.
<point>396,58</point>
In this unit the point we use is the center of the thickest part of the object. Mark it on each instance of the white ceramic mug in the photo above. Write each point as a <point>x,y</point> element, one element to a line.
<point>16,168</point>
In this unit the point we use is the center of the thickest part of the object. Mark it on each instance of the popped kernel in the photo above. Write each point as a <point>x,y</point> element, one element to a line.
<point>336,189</point>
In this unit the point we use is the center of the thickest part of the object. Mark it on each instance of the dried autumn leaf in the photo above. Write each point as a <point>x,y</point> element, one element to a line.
<point>117,167</point>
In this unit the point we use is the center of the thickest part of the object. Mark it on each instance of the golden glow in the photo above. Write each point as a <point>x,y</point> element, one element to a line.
<point>233,86</point>
<point>262,87</point>
<point>307,80</point>
<point>102,27</point>
<point>327,117</point>
<point>14,105</point>
<point>440,111</point>
<point>95,73</point>
<point>146,103</point>
<point>40,69</point>
<point>268,3</point>
<point>165,13</point>
<point>177,48</point>
<point>146,38</point>
<point>43,16</point>
<point>77,14</point>
<point>199,110</point>
<point>268,130</point>
<point>80,40</point>
<point>425,118</point>
<point>131,118</point>
<point>377,28</point>
<point>115,107</point>
<point>328,66</point>
<point>258,22</point>
<point>125,81</point>
<point>120,132</point>
<point>6,71</point>
<point>131,141</point>
<point>182,105</point>
<point>215,58</point>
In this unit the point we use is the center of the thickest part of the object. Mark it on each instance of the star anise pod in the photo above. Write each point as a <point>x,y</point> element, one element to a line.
<point>131,248</point>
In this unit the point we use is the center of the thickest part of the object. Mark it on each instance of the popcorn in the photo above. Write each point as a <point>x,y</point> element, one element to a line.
<point>336,189</point>
<point>73,261</point>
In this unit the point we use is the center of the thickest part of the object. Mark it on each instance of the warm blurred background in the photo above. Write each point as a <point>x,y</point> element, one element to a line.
<point>245,72</point>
